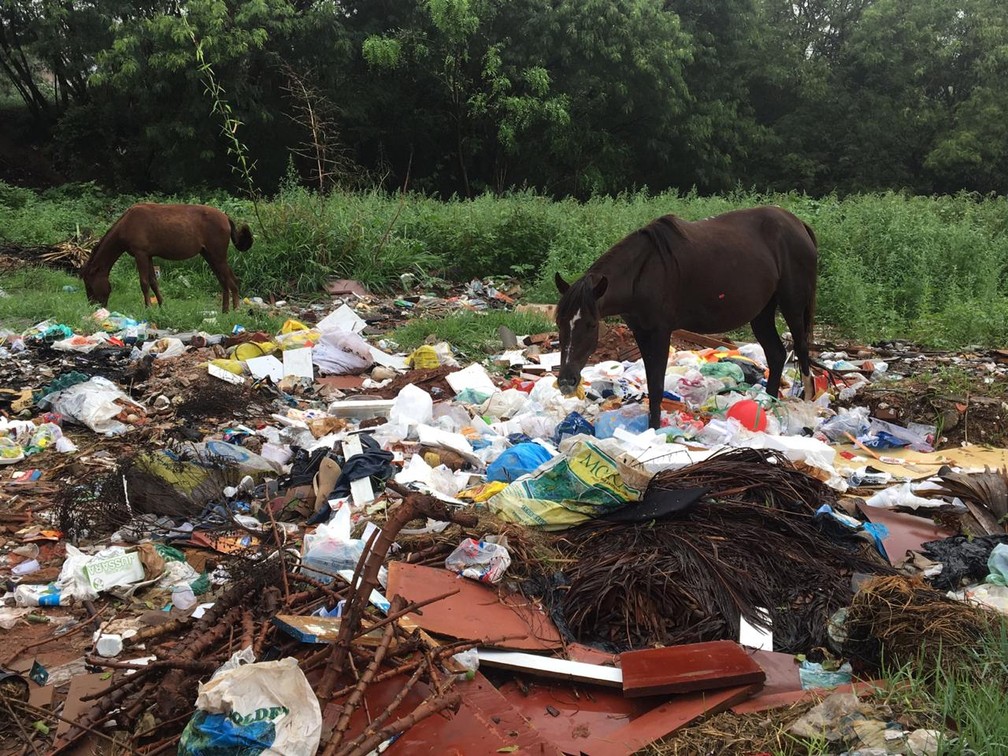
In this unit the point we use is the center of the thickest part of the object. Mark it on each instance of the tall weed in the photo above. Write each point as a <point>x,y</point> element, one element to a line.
<point>934,269</point>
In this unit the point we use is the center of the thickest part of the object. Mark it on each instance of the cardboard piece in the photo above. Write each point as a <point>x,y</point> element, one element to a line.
<point>689,667</point>
<point>666,718</point>
<point>297,363</point>
<point>73,707</point>
<point>361,490</point>
<point>109,572</point>
<point>266,367</point>
<point>394,361</point>
<point>754,637</point>
<point>341,319</point>
<point>225,375</point>
<point>311,629</point>
<point>906,531</point>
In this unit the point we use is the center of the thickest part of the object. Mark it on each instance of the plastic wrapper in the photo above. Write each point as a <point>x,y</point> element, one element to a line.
<point>485,561</point>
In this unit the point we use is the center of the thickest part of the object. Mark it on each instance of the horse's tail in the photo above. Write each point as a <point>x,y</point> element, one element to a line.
<point>810,306</point>
<point>241,236</point>
<point>811,234</point>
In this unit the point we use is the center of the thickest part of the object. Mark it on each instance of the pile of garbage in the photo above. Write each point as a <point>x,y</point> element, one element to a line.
<point>311,541</point>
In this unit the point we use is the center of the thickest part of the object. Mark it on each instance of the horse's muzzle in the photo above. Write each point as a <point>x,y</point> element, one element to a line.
<point>567,386</point>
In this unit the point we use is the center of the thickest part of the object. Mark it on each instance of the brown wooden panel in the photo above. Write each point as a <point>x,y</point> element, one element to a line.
<point>686,668</point>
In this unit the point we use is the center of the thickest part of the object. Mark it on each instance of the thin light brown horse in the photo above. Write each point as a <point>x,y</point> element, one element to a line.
<point>171,232</point>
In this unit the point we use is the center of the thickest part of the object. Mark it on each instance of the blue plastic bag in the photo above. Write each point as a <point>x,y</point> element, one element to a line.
<point>632,417</point>
<point>517,461</point>
<point>573,425</point>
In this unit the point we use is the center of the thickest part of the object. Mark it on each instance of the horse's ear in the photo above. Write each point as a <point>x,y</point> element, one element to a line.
<point>561,285</point>
<point>600,287</point>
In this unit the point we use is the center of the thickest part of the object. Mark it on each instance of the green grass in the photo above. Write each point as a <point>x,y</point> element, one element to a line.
<point>472,334</point>
<point>970,695</point>
<point>930,269</point>
<point>35,294</point>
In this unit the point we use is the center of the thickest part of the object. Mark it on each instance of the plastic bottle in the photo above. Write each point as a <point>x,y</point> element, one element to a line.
<point>38,595</point>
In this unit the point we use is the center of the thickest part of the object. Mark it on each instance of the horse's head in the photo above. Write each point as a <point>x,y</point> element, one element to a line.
<point>97,288</point>
<point>577,318</point>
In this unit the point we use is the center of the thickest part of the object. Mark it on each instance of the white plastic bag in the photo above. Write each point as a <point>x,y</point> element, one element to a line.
<point>342,353</point>
<point>413,406</point>
<point>484,560</point>
<point>264,708</point>
<point>94,403</point>
<point>330,548</point>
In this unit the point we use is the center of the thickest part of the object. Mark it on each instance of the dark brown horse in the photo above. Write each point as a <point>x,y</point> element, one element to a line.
<point>171,232</point>
<point>707,276</point>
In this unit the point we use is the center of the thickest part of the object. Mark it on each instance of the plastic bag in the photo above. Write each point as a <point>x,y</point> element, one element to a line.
<point>413,406</point>
<point>573,425</point>
<point>95,403</point>
<point>342,353</point>
<point>330,548</point>
<point>585,482</point>
<point>517,461</point>
<point>997,563</point>
<point>484,560</point>
<point>263,708</point>
<point>853,421</point>
<point>631,417</point>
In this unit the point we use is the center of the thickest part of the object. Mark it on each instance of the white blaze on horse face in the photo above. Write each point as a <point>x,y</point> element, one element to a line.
<point>570,338</point>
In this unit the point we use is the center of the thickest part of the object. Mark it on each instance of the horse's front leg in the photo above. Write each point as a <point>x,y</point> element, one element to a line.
<point>654,347</point>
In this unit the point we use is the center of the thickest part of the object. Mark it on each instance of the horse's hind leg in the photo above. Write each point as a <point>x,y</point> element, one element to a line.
<point>219,264</point>
<point>795,318</point>
<point>765,330</point>
<point>232,280</point>
<point>144,270</point>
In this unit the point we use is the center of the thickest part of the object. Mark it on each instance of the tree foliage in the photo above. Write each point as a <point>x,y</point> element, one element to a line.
<point>571,97</point>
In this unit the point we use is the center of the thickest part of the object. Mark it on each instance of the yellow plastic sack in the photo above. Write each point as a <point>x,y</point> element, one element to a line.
<point>232,366</point>
<point>423,358</point>
<point>584,483</point>
<point>290,326</point>
<point>482,492</point>
<point>252,349</point>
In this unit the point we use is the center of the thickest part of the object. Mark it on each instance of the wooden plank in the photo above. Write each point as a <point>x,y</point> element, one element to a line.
<point>686,668</point>
<point>702,340</point>
<point>73,707</point>
<point>548,666</point>
<point>475,613</point>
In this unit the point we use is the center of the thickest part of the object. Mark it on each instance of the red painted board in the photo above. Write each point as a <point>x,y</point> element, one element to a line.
<point>665,719</point>
<point>575,716</point>
<point>906,531</point>
<point>476,613</point>
<point>484,724</point>
<point>689,667</point>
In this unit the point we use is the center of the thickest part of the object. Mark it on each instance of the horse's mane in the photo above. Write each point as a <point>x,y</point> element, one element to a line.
<point>580,296</point>
<point>90,264</point>
<point>664,233</point>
